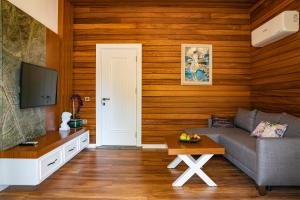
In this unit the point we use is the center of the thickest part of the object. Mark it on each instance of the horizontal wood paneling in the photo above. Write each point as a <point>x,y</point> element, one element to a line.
<point>52,61</point>
<point>275,68</point>
<point>65,27</point>
<point>168,107</point>
<point>59,57</point>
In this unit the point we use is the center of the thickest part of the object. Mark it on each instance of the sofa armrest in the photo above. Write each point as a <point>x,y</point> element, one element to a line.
<point>278,161</point>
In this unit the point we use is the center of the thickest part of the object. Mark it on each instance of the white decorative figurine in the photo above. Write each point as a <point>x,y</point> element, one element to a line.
<point>65,118</point>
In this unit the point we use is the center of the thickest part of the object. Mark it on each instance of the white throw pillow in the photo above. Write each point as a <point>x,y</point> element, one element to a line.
<point>267,129</point>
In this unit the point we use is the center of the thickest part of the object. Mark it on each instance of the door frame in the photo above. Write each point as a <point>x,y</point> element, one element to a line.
<point>99,48</point>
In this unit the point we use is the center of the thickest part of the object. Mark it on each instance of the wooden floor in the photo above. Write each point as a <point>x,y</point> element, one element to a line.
<point>140,174</point>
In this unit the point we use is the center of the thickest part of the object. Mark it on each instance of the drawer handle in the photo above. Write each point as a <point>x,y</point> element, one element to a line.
<point>72,149</point>
<point>52,162</point>
<point>84,141</point>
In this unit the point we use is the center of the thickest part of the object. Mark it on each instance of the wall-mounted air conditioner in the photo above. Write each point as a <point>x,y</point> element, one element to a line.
<point>281,26</point>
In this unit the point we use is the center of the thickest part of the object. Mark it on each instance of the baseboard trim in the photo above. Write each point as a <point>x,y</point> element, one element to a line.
<point>92,146</point>
<point>3,187</point>
<point>154,146</point>
<point>144,146</point>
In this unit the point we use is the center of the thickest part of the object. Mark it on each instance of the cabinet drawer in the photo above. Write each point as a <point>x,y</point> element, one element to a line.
<point>84,141</point>
<point>71,149</point>
<point>50,163</point>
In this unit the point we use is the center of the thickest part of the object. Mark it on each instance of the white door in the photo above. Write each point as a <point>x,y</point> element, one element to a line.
<point>118,101</point>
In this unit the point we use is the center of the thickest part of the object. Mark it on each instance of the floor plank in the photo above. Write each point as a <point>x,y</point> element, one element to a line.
<point>135,174</point>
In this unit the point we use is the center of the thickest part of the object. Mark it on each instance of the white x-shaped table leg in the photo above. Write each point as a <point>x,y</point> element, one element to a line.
<point>194,168</point>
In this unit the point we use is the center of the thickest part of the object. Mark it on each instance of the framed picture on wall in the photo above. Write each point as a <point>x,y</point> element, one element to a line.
<point>196,64</point>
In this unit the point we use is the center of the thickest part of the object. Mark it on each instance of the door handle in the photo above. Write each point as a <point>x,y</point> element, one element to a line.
<point>104,99</point>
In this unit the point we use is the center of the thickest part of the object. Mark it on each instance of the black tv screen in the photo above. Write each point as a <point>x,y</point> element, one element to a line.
<point>38,86</point>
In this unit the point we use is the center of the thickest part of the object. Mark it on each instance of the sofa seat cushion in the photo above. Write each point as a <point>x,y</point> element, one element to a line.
<point>241,147</point>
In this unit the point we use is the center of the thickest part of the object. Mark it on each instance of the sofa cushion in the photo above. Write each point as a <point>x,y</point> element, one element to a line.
<point>245,119</point>
<point>293,123</point>
<point>241,147</point>
<point>267,117</point>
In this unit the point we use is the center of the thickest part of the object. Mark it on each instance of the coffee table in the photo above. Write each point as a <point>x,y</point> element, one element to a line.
<point>184,151</point>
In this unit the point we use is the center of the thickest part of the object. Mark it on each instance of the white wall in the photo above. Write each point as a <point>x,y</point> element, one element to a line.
<point>44,11</point>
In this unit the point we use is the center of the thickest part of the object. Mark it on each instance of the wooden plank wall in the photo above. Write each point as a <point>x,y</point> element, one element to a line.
<point>52,58</point>
<point>162,26</point>
<point>59,57</point>
<point>275,70</point>
<point>65,33</point>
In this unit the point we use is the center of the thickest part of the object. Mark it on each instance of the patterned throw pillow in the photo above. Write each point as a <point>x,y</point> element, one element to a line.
<point>222,122</point>
<point>267,129</point>
<point>259,129</point>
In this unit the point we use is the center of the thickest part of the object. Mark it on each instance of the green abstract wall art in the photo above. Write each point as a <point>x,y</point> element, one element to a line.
<point>22,39</point>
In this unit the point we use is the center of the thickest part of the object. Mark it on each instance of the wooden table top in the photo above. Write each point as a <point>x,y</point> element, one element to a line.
<point>204,146</point>
<point>46,144</point>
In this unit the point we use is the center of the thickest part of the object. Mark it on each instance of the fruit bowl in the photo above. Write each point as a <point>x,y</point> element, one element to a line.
<point>186,138</point>
<point>190,141</point>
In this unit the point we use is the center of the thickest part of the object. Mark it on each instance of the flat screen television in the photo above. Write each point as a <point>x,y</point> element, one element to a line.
<point>38,86</point>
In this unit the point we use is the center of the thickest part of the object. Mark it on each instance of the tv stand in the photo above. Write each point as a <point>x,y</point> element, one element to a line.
<point>30,165</point>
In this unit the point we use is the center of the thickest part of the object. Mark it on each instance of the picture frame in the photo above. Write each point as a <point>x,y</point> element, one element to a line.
<point>196,64</point>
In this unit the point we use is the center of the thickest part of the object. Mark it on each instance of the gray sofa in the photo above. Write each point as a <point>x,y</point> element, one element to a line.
<point>268,161</point>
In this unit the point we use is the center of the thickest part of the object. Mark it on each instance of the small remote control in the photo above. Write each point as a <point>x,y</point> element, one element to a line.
<point>30,143</point>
